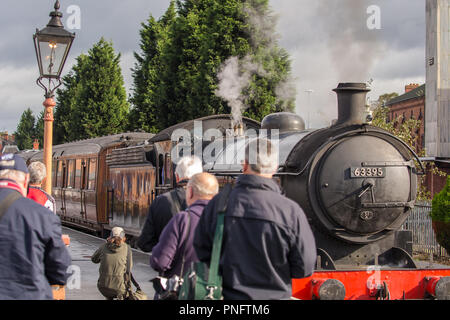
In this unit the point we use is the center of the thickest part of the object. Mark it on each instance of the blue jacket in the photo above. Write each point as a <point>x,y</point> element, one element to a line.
<point>33,255</point>
<point>176,239</point>
<point>267,241</point>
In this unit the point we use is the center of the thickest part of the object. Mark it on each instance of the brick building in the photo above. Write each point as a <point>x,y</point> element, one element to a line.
<point>7,143</point>
<point>411,105</point>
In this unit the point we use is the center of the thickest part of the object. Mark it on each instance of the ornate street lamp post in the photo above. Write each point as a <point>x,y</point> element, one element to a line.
<point>52,45</point>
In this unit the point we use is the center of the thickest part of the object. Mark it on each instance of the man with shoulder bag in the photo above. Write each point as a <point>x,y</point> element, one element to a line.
<point>168,204</point>
<point>174,251</point>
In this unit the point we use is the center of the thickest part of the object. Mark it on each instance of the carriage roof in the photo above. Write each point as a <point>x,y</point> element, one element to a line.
<point>221,122</point>
<point>95,145</point>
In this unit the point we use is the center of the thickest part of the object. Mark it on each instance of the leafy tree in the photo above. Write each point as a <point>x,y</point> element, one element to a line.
<point>25,130</point>
<point>441,204</point>
<point>39,129</point>
<point>384,98</point>
<point>66,102</point>
<point>93,102</point>
<point>404,129</point>
<point>440,214</point>
<point>146,72</point>
<point>194,42</point>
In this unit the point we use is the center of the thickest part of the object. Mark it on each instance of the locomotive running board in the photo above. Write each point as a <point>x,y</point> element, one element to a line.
<point>375,283</point>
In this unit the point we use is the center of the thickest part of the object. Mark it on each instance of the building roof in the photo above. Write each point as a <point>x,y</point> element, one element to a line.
<point>413,94</point>
<point>9,148</point>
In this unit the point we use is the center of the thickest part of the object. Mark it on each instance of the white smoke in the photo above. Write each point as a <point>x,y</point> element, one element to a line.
<point>234,77</point>
<point>235,74</point>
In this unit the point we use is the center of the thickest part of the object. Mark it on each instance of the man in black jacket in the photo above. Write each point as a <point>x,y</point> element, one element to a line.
<point>267,239</point>
<point>168,204</point>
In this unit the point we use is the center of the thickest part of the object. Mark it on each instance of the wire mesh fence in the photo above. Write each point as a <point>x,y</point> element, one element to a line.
<point>424,239</point>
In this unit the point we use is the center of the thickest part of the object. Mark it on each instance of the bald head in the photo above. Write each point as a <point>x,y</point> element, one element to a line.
<point>201,186</point>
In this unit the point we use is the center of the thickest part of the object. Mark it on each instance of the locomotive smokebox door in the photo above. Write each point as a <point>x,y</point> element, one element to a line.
<point>357,193</point>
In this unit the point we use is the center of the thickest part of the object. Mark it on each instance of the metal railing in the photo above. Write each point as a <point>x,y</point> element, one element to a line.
<point>424,239</point>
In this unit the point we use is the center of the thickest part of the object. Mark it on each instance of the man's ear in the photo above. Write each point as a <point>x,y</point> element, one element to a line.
<point>189,192</point>
<point>245,167</point>
<point>25,184</point>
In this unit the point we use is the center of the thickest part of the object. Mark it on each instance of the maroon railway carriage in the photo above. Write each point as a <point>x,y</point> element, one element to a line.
<point>111,181</point>
<point>80,176</point>
<point>138,174</point>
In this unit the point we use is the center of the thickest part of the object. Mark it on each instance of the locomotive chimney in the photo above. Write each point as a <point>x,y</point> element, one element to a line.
<point>351,103</point>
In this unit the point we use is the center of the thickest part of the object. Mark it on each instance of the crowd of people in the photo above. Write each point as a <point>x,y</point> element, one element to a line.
<point>267,240</point>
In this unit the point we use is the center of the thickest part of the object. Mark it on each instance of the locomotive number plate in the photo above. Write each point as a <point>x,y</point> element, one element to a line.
<point>364,172</point>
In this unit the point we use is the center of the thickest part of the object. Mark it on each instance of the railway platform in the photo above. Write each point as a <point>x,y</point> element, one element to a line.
<point>82,283</point>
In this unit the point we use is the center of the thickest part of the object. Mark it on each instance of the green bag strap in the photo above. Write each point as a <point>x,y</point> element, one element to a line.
<point>213,278</point>
<point>221,208</point>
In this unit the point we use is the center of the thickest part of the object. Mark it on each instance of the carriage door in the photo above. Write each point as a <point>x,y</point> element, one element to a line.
<point>63,187</point>
<point>80,181</point>
<point>164,174</point>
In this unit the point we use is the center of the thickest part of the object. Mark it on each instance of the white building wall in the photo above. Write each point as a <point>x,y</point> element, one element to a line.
<point>437,105</point>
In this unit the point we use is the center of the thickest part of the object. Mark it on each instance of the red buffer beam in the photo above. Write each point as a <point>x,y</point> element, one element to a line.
<point>374,283</point>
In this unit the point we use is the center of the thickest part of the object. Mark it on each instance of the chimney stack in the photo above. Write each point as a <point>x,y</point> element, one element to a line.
<point>36,144</point>
<point>411,87</point>
<point>351,103</point>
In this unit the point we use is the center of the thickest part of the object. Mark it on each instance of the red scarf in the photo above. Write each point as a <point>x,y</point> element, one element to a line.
<point>8,184</point>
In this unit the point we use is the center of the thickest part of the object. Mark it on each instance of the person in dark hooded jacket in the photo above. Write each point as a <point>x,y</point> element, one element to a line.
<point>112,257</point>
<point>168,204</point>
<point>175,251</point>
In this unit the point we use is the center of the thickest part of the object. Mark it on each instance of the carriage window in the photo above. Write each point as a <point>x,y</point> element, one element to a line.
<point>59,175</point>
<point>78,174</point>
<point>70,173</point>
<point>168,169</point>
<point>161,169</point>
<point>92,173</point>
<point>84,171</point>
<point>55,173</point>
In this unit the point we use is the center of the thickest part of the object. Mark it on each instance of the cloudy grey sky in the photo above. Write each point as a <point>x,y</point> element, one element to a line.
<point>329,42</point>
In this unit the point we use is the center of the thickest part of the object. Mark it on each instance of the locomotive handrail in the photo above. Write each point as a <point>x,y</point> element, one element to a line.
<point>348,134</point>
<point>410,150</point>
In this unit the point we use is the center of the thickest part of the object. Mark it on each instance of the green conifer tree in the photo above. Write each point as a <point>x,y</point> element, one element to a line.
<point>145,112</point>
<point>93,102</point>
<point>201,37</point>
<point>39,129</point>
<point>25,130</point>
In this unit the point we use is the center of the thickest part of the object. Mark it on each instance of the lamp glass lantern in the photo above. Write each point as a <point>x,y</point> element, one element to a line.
<point>52,45</point>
